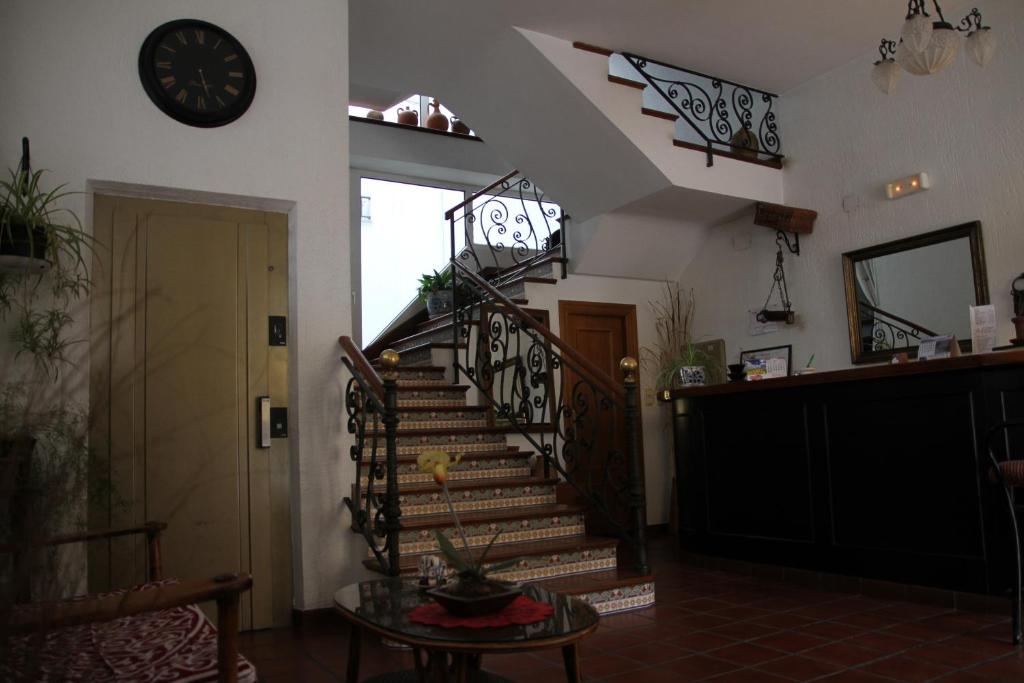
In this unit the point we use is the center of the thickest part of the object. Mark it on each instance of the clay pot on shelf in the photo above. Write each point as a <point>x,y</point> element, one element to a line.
<point>459,126</point>
<point>437,120</point>
<point>408,117</point>
<point>375,115</point>
<point>744,144</point>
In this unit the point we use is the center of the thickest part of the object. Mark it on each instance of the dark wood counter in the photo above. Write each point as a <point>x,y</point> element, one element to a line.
<point>879,472</point>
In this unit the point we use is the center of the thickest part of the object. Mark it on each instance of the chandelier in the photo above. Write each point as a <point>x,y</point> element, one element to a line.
<point>928,45</point>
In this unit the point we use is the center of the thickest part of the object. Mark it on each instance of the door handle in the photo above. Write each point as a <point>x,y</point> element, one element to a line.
<point>263,422</point>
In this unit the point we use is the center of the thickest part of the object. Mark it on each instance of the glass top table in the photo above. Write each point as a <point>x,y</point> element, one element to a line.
<point>382,607</point>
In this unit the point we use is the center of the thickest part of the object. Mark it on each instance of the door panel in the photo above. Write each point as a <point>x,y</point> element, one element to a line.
<point>604,334</point>
<point>180,353</point>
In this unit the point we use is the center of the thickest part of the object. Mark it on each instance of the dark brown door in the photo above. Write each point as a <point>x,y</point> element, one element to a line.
<point>604,334</point>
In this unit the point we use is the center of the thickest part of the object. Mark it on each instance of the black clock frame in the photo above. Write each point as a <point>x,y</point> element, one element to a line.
<point>163,100</point>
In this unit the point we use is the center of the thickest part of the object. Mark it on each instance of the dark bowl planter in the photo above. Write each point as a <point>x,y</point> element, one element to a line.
<point>475,599</point>
<point>23,249</point>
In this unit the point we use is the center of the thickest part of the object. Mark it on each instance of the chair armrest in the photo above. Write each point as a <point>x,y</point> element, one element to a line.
<point>45,616</point>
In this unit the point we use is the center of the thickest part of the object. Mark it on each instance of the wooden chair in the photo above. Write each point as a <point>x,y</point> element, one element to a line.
<point>1009,474</point>
<point>30,628</point>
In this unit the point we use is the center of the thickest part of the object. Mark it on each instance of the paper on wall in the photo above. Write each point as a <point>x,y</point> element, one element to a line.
<point>983,328</point>
<point>756,327</point>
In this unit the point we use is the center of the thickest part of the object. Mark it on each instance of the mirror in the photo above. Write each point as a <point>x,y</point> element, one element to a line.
<point>921,286</point>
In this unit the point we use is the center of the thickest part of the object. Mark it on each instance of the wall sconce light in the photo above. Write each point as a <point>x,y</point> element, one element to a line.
<point>906,186</point>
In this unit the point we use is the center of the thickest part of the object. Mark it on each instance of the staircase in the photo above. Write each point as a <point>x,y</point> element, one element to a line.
<point>487,383</point>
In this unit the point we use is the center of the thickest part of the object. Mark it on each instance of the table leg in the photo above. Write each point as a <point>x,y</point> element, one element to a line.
<point>571,656</point>
<point>475,661</point>
<point>421,668</point>
<point>354,646</point>
<point>460,667</point>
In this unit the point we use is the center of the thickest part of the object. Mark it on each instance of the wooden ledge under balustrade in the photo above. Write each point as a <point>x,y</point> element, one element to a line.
<point>878,472</point>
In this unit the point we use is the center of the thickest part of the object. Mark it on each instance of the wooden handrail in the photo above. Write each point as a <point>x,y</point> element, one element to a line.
<point>596,374</point>
<point>148,528</point>
<point>368,372</point>
<point>473,197</point>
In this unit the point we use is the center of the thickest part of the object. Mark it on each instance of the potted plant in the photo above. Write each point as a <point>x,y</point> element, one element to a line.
<point>675,358</point>
<point>472,594</point>
<point>436,291</point>
<point>44,451</point>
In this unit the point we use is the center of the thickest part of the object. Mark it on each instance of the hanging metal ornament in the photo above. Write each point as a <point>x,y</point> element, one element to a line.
<point>785,314</point>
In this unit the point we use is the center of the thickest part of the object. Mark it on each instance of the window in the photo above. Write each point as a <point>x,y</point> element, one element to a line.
<point>418,103</point>
<point>406,237</point>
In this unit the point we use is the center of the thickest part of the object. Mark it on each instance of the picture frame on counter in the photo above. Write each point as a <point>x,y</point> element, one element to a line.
<point>767,363</point>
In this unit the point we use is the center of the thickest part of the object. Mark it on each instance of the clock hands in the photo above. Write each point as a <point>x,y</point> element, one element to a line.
<point>206,88</point>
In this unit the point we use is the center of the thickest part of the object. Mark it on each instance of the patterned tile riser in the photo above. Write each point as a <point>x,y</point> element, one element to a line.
<point>441,423</point>
<point>415,374</point>
<point>483,499</point>
<point>452,443</point>
<point>453,448</point>
<point>621,599</point>
<point>443,416</point>
<point>431,403</point>
<point>418,357</point>
<point>441,393</point>
<point>512,531</point>
<point>487,471</point>
<point>440,381</point>
<point>437,334</point>
<point>537,567</point>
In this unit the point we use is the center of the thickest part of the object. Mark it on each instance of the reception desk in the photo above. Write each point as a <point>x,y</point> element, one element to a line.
<point>878,472</point>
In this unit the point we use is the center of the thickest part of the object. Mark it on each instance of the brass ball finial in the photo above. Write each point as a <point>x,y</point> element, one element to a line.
<point>389,359</point>
<point>629,365</point>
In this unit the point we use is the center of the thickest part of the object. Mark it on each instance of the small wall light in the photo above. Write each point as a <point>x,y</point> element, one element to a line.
<point>909,185</point>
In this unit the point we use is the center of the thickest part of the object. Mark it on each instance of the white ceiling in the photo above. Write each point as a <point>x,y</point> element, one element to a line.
<point>774,45</point>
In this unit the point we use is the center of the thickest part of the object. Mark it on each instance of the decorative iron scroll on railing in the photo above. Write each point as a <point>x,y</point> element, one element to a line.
<point>889,331</point>
<point>371,404</point>
<point>583,424</point>
<point>725,116</point>
<point>507,227</point>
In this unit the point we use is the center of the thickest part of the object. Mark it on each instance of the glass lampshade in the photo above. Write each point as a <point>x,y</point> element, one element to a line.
<point>981,45</point>
<point>885,75</point>
<point>916,32</point>
<point>941,50</point>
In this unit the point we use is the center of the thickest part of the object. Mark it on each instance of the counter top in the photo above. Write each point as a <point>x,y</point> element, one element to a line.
<point>965,362</point>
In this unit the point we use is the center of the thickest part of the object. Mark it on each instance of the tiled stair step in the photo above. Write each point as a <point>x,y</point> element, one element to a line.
<point>446,319</point>
<point>421,351</point>
<point>516,526</point>
<point>431,395</point>
<point>498,464</point>
<point>477,495</point>
<point>413,358</point>
<point>539,560</point>
<point>450,441</point>
<point>427,414</point>
<point>612,590</point>
<point>427,373</point>
<point>438,335</point>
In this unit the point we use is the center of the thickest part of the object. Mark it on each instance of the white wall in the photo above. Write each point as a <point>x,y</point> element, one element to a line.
<point>844,137</point>
<point>71,85</point>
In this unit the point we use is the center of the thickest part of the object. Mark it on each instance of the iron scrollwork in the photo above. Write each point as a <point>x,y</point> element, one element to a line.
<point>722,113</point>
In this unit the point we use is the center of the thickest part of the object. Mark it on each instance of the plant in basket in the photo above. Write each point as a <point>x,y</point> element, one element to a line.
<point>472,594</point>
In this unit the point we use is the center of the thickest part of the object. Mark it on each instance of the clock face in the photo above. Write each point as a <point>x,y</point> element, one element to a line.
<point>197,73</point>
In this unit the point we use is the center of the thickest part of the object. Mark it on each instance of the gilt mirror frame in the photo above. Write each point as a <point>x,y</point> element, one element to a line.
<point>972,231</point>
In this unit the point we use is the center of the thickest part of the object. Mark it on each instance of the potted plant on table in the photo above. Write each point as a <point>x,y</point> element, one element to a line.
<point>472,594</point>
<point>436,291</point>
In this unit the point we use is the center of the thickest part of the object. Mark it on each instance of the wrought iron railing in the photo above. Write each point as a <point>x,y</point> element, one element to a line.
<point>506,228</point>
<point>371,406</point>
<point>723,116</point>
<point>582,423</point>
<point>887,330</point>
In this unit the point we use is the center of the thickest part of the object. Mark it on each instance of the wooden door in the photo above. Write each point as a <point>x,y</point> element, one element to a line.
<point>604,334</point>
<point>180,354</point>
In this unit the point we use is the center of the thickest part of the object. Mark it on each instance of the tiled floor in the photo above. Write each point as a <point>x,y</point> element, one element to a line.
<point>711,625</point>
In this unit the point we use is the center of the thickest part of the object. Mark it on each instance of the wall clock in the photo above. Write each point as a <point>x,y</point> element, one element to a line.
<point>197,73</point>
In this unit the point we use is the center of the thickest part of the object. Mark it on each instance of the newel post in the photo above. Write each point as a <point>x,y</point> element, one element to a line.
<point>638,514</point>
<point>391,510</point>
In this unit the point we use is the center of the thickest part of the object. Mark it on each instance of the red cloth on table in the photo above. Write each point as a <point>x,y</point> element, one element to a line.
<point>521,611</point>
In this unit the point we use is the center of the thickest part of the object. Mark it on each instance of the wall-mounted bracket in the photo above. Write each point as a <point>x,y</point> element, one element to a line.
<point>794,246</point>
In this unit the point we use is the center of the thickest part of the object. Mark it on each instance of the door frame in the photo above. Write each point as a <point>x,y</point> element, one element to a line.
<point>628,312</point>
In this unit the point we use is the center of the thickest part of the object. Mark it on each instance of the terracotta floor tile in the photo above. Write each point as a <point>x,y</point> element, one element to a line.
<point>854,676</point>
<point>907,669</point>
<point>652,653</point>
<point>701,641</point>
<point>746,654</point>
<point>783,620</point>
<point>831,630</point>
<point>883,641</point>
<point>1008,668</point>
<point>748,676</point>
<point>842,653</point>
<point>742,630</point>
<point>950,656</point>
<point>697,667</point>
<point>791,641</point>
<point>799,668</point>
